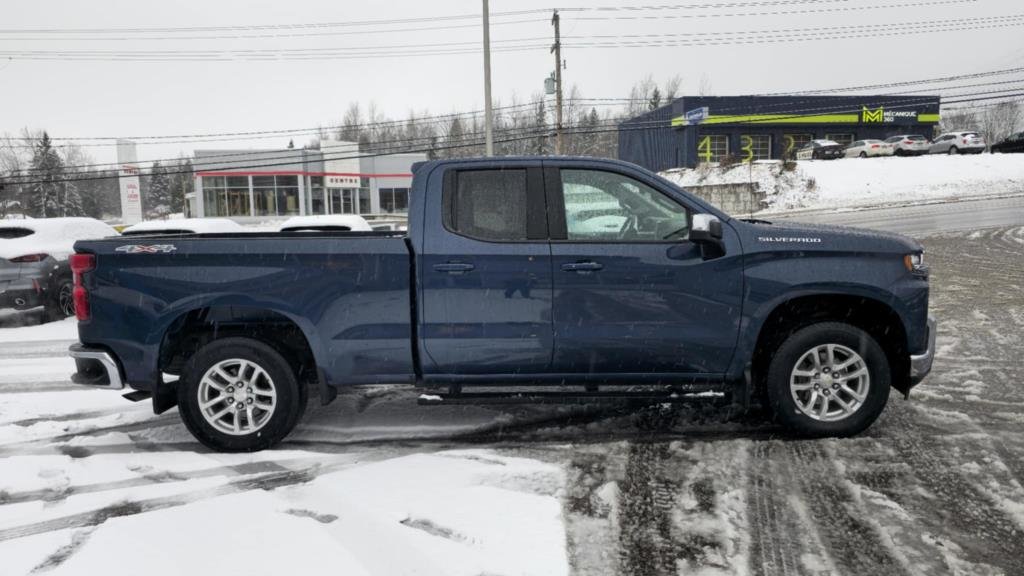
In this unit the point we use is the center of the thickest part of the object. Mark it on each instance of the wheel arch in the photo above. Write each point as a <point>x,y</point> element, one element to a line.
<point>865,311</point>
<point>190,329</point>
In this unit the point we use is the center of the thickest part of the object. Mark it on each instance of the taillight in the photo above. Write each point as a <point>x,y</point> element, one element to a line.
<point>873,146</point>
<point>965,140</point>
<point>80,264</point>
<point>30,258</point>
<point>908,141</point>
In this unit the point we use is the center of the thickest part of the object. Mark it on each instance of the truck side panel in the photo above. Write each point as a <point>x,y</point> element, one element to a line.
<point>348,295</point>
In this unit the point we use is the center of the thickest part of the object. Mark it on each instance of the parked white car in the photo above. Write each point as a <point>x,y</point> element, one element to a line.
<point>909,144</point>
<point>183,226</point>
<point>868,148</point>
<point>329,222</point>
<point>958,143</point>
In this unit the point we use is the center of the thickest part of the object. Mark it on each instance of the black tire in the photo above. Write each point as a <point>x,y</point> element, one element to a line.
<point>863,155</point>
<point>794,348</point>
<point>815,156</point>
<point>61,302</point>
<point>290,395</point>
<point>953,151</point>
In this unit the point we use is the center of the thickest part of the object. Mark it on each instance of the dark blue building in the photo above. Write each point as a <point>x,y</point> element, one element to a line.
<point>695,129</point>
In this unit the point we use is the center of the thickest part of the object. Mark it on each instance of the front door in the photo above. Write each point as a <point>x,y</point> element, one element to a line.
<point>631,294</point>
<point>486,274</point>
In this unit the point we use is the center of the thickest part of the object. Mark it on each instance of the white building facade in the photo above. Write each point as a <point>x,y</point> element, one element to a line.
<point>267,184</point>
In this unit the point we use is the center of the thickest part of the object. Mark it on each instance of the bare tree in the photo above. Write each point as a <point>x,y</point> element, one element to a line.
<point>1000,121</point>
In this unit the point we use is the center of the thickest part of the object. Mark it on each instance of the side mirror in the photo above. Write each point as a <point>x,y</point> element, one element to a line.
<point>706,228</point>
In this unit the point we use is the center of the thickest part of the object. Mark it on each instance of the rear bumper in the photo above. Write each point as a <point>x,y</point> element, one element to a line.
<point>921,364</point>
<point>96,368</point>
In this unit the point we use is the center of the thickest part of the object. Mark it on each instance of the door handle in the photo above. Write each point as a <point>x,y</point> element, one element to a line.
<point>582,267</point>
<point>454,267</point>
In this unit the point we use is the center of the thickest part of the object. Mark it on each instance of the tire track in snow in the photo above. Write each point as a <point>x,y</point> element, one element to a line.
<point>955,506</point>
<point>851,541</point>
<point>773,550</point>
<point>260,481</point>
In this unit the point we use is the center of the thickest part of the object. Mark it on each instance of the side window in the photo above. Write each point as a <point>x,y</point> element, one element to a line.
<point>487,204</point>
<point>604,206</point>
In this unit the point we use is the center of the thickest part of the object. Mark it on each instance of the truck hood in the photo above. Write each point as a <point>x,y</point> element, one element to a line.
<point>760,236</point>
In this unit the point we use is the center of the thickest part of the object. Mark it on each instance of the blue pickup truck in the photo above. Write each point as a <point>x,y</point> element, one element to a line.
<point>578,278</point>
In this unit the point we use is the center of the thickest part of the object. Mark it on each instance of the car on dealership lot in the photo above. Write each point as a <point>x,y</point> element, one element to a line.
<point>1012,143</point>
<point>183,226</point>
<point>958,143</point>
<point>868,148</point>
<point>820,150</point>
<point>909,144</point>
<point>327,223</point>
<point>34,269</point>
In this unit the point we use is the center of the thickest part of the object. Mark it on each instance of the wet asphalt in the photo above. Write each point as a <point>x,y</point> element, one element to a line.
<point>936,486</point>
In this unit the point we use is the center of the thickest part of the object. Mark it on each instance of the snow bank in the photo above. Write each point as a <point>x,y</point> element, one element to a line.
<point>854,182</point>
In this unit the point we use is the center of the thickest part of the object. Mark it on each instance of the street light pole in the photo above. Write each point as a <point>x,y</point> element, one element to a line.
<point>488,113</point>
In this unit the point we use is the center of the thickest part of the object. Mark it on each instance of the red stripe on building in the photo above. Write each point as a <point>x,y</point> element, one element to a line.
<point>286,173</point>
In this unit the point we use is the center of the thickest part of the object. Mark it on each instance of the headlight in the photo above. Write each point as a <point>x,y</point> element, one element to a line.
<point>914,262</point>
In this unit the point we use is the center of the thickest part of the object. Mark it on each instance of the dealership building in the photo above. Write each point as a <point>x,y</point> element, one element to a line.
<point>268,184</point>
<point>695,129</point>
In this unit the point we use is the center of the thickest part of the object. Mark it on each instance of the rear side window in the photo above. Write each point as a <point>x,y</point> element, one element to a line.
<point>12,233</point>
<point>488,204</point>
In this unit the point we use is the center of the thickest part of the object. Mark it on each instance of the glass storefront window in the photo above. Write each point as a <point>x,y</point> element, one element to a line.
<point>394,200</point>
<point>315,197</point>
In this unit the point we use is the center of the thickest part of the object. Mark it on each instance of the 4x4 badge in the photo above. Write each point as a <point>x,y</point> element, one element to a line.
<point>146,249</point>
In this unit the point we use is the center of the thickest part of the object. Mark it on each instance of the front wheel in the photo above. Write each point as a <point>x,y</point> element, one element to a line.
<point>239,395</point>
<point>828,379</point>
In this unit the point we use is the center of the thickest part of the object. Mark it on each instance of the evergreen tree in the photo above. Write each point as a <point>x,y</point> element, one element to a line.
<point>48,171</point>
<point>540,141</point>
<point>455,138</point>
<point>158,201</point>
<point>181,183</point>
<point>655,100</point>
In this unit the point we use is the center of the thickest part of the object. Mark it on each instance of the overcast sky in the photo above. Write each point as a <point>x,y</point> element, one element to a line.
<point>116,98</point>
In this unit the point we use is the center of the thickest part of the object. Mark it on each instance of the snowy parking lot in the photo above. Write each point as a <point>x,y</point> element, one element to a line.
<point>374,484</point>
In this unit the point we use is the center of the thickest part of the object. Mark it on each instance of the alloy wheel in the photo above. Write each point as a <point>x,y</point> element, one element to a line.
<point>237,396</point>
<point>830,382</point>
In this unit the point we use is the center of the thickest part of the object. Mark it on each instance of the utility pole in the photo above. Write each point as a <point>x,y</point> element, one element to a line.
<point>557,49</point>
<point>488,113</point>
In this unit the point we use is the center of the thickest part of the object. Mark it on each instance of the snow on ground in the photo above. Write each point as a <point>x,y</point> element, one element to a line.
<point>63,330</point>
<point>855,182</point>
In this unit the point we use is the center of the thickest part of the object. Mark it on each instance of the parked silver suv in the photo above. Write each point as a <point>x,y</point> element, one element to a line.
<point>958,143</point>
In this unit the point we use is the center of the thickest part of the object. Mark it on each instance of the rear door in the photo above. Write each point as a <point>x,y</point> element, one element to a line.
<point>631,294</point>
<point>486,272</point>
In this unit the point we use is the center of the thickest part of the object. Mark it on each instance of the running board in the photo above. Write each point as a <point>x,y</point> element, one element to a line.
<point>660,396</point>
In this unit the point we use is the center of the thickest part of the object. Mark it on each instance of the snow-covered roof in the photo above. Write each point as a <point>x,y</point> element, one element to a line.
<point>351,222</point>
<point>179,225</point>
<point>53,236</point>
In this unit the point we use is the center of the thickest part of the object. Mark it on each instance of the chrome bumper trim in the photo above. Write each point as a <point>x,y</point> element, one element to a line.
<point>921,364</point>
<point>114,381</point>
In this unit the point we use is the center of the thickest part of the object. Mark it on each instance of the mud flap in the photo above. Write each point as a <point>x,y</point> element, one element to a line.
<point>327,392</point>
<point>165,397</point>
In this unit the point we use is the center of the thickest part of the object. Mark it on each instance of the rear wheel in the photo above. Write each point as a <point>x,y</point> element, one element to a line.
<point>863,155</point>
<point>239,395</point>
<point>61,304</point>
<point>953,151</point>
<point>828,379</point>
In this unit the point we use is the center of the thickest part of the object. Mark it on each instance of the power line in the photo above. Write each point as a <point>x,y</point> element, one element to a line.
<point>534,133</point>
